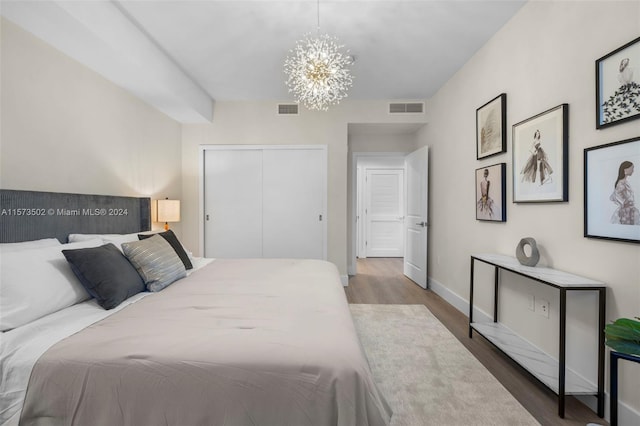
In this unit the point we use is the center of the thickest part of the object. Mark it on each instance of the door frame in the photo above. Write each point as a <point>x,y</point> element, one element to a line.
<point>351,261</point>
<point>203,148</point>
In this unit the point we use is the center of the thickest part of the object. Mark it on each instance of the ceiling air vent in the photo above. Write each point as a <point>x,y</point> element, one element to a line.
<point>287,109</point>
<point>406,108</point>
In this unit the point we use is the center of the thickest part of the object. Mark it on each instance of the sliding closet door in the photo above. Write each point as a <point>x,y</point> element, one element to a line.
<point>293,203</point>
<point>265,202</point>
<point>233,203</point>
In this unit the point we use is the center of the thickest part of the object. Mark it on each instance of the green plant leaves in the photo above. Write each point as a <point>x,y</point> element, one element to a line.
<point>624,335</point>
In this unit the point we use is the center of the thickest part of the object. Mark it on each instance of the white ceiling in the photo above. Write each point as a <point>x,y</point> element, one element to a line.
<point>234,50</point>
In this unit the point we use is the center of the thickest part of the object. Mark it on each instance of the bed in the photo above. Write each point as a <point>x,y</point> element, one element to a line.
<point>236,342</point>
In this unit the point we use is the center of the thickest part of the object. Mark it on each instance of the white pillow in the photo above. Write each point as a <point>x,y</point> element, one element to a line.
<point>28,245</point>
<point>75,238</point>
<point>115,239</point>
<point>38,282</point>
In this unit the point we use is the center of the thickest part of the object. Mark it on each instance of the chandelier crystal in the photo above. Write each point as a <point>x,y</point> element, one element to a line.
<point>318,71</point>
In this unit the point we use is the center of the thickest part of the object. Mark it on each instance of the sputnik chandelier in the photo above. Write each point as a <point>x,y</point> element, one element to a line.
<point>318,71</point>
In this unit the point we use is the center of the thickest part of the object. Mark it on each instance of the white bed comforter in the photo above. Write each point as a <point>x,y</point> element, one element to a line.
<point>241,342</point>
<point>20,348</point>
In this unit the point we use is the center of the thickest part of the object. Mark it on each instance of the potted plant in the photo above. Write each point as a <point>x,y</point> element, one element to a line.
<point>623,335</point>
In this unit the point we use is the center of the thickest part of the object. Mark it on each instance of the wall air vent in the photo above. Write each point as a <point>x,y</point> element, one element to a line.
<point>287,109</point>
<point>406,108</point>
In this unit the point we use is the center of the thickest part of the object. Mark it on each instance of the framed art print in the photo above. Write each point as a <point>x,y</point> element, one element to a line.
<point>491,191</point>
<point>540,157</point>
<point>618,85</point>
<point>491,127</point>
<point>611,184</point>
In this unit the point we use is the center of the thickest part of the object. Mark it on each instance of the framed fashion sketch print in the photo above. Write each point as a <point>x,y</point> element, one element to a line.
<point>610,185</point>
<point>618,85</point>
<point>491,127</point>
<point>540,157</point>
<point>491,193</point>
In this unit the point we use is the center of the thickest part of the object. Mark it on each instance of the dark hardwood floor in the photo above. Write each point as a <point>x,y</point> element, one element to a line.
<point>380,281</point>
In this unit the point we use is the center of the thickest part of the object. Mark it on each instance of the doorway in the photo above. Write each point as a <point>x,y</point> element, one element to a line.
<point>380,211</point>
<point>391,209</point>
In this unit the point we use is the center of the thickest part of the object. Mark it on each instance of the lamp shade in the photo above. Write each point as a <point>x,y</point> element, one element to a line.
<point>168,210</point>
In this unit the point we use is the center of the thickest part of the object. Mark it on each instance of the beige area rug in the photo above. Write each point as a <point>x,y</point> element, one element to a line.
<point>427,375</point>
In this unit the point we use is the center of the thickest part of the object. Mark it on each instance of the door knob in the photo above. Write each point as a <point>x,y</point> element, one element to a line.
<point>423,224</point>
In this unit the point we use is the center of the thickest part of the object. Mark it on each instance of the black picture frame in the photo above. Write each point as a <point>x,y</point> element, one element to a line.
<point>491,198</point>
<point>617,88</point>
<point>609,185</point>
<point>541,157</point>
<point>491,127</point>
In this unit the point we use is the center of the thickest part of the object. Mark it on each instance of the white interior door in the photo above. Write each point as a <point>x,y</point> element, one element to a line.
<point>293,205</point>
<point>233,203</point>
<point>384,212</point>
<point>415,258</point>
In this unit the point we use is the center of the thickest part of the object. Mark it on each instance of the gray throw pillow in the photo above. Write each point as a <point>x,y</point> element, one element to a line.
<point>156,262</point>
<point>105,273</point>
<point>175,243</point>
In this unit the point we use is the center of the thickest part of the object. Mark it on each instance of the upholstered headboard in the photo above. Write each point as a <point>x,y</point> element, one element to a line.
<point>31,215</point>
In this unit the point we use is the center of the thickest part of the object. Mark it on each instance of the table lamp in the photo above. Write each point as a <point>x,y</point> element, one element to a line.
<point>168,211</point>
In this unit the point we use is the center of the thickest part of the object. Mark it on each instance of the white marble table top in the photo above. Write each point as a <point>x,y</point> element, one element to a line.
<point>534,360</point>
<point>548,275</point>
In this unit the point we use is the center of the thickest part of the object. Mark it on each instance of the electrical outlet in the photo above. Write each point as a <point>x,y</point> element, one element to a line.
<point>542,307</point>
<point>531,302</point>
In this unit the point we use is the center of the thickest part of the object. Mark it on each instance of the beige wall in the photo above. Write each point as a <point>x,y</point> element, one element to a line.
<point>390,142</point>
<point>541,58</point>
<point>67,129</point>
<point>256,123</point>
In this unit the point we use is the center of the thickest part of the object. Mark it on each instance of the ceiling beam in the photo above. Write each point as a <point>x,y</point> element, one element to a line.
<point>103,38</point>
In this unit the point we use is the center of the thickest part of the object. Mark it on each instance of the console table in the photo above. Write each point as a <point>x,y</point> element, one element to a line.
<point>551,372</point>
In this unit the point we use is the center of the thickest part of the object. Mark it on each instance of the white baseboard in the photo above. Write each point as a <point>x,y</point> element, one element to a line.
<point>351,269</point>
<point>345,280</point>
<point>456,300</point>
<point>627,416</point>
